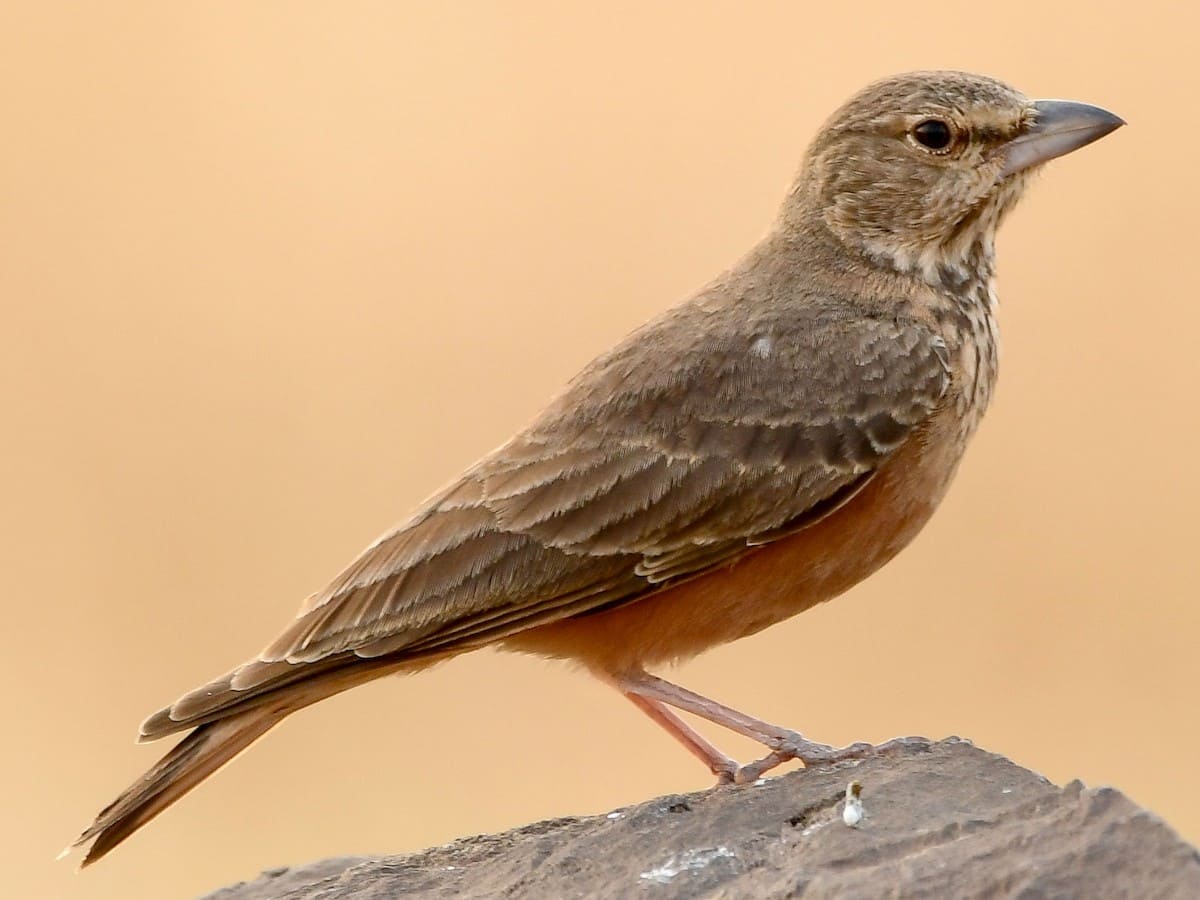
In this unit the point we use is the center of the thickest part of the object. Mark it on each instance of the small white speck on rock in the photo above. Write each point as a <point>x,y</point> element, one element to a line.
<point>853,811</point>
<point>687,861</point>
<point>762,346</point>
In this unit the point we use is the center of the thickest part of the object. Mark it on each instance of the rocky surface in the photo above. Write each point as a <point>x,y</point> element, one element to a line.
<point>941,820</point>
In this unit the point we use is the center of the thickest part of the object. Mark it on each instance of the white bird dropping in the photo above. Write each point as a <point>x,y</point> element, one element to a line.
<point>852,811</point>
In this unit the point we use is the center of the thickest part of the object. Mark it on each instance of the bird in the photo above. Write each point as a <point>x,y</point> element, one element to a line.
<point>751,452</point>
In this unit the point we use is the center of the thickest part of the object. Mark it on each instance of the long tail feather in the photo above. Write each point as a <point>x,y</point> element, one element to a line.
<point>188,763</point>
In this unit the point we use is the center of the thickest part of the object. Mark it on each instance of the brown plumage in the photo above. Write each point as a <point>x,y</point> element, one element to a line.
<point>753,451</point>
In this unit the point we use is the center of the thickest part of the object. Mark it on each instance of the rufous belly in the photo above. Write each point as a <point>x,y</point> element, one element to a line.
<point>768,584</point>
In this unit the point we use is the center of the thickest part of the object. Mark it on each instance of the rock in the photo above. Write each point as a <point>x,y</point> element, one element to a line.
<point>941,820</point>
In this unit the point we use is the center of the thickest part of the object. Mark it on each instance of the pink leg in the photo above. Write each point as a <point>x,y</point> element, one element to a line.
<point>783,743</point>
<point>719,764</point>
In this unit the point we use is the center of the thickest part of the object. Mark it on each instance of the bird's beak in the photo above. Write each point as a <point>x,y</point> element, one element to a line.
<point>1059,127</point>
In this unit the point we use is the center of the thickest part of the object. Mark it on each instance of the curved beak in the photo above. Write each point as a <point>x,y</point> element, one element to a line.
<point>1059,126</point>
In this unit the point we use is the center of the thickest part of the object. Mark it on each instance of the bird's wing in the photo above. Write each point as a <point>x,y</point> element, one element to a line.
<point>671,455</point>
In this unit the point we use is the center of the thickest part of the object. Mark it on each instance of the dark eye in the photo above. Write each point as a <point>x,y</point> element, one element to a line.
<point>933,133</point>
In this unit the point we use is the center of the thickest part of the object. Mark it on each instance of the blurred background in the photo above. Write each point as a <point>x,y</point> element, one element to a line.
<point>270,273</point>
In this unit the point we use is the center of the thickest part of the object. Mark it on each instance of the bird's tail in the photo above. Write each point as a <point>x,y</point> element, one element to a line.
<point>189,762</point>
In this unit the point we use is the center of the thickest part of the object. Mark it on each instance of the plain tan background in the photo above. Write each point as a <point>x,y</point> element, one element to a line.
<point>272,272</point>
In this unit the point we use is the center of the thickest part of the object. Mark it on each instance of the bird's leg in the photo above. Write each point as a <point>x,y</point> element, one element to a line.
<point>783,743</point>
<point>719,764</point>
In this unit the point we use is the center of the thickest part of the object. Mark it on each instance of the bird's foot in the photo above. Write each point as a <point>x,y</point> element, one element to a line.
<point>653,695</point>
<point>729,775</point>
<point>791,745</point>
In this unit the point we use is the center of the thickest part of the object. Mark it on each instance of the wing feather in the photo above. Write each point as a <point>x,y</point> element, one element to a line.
<point>679,451</point>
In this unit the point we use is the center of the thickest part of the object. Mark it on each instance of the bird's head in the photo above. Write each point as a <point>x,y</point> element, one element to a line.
<point>916,171</point>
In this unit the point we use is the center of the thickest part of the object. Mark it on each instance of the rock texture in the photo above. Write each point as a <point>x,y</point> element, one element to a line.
<point>942,820</point>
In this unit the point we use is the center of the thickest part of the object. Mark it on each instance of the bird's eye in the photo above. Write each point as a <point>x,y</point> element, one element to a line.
<point>933,134</point>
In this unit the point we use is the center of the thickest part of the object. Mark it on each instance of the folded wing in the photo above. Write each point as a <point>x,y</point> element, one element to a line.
<point>687,446</point>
